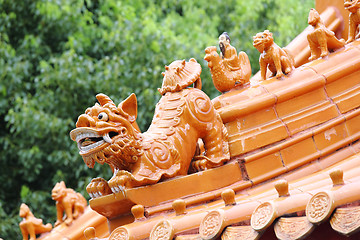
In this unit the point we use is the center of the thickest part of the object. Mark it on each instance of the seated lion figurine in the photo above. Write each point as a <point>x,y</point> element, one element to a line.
<point>67,200</point>
<point>107,133</point>
<point>31,225</point>
<point>277,59</point>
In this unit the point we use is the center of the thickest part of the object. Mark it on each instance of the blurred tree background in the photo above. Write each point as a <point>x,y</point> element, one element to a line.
<point>56,55</point>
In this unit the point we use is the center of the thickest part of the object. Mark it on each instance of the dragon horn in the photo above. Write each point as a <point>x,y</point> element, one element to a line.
<point>103,99</point>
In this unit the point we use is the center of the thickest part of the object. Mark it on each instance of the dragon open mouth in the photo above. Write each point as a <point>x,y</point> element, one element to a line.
<point>89,140</point>
<point>257,43</point>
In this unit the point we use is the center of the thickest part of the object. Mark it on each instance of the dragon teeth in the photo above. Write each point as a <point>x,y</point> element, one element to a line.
<point>107,138</point>
<point>85,149</point>
<point>92,134</point>
<point>86,135</point>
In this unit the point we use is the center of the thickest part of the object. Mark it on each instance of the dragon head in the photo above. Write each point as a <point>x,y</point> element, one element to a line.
<point>263,40</point>
<point>107,133</point>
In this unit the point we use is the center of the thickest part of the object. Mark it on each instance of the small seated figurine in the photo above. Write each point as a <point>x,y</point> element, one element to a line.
<point>321,39</point>
<point>229,69</point>
<point>353,6</point>
<point>277,59</point>
<point>31,225</point>
<point>67,200</point>
<point>108,133</point>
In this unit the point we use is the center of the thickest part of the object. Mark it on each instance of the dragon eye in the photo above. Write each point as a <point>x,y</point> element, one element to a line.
<point>103,116</point>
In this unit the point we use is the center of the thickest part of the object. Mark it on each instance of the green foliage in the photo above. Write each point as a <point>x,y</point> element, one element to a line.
<point>56,55</point>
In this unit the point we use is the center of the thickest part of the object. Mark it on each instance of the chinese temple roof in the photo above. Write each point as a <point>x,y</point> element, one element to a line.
<point>294,169</point>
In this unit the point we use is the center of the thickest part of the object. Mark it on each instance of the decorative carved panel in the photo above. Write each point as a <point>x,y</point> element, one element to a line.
<point>240,232</point>
<point>346,220</point>
<point>293,228</point>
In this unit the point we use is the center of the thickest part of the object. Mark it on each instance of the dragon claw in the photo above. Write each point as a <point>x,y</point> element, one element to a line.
<point>98,187</point>
<point>68,222</point>
<point>279,75</point>
<point>118,182</point>
<point>201,163</point>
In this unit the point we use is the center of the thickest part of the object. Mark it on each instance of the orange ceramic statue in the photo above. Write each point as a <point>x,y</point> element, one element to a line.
<point>354,18</point>
<point>67,200</point>
<point>107,133</point>
<point>31,225</point>
<point>321,39</point>
<point>229,69</point>
<point>278,60</point>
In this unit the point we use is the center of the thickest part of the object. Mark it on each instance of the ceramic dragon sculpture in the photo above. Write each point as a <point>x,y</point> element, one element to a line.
<point>107,133</point>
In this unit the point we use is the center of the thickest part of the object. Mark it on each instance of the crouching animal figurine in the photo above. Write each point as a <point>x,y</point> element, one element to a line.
<point>107,133</point>
<point>67,200</point>
<point>31,225</point>
<point>353,6</point>
<point>321,40</point>
<point>277,59</point>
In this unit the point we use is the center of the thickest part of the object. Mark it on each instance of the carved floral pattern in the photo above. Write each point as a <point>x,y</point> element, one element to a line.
<point>162,231</point>
<point>211,225</point>
<point>119,233</point>
<point>318,208</point>
<point>262,216</point>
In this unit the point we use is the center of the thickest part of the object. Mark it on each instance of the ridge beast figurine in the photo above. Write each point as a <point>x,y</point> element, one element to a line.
<point>67,200</point>
<point>321,39</point>
<point>107,133</point>
<point>278,60</point>
<point>353,6</point>
<point>229,69</point>
<point>31,225</point>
